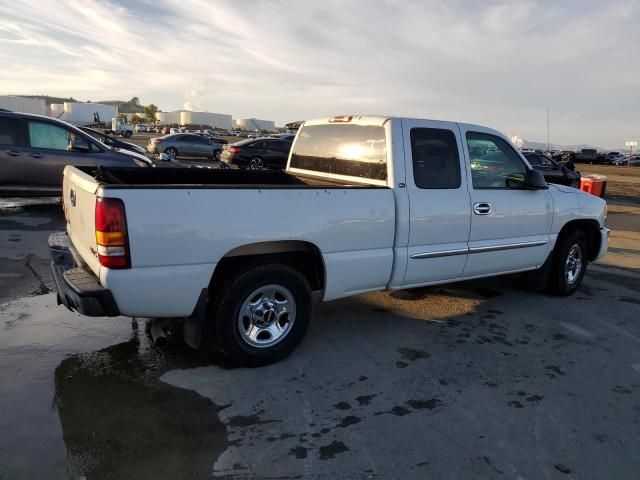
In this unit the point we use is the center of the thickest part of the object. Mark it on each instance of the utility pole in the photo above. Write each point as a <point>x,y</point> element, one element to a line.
<point>548,144</point>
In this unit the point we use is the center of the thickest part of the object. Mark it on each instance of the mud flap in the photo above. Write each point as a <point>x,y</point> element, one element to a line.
<point>193,326</point>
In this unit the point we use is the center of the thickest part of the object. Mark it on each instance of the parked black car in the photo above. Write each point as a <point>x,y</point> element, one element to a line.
<point>113,142</point>
<point>257,153</point>
<point>34,150</point>
<point>590,155</point>
<point>554,172</point>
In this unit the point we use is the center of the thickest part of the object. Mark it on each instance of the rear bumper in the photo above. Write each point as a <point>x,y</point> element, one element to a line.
<point>78,288</point>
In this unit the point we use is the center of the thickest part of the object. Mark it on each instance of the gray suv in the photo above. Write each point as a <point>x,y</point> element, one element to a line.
<point>34,150</point>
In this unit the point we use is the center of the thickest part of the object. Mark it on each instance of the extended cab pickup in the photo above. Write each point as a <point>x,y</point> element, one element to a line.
<point>365,204</point>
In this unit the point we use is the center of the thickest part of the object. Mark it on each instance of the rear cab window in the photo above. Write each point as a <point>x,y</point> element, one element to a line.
<point>341,151</point>
<point>436,160</point>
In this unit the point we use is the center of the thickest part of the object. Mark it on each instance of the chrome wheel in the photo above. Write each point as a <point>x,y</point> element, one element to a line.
<point>266,316</point>
<point>256,164</point>
<point>172,153</point>
<point>573,264</point>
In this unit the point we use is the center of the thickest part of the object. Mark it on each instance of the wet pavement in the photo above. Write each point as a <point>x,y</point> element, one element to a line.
<point>475,380</point>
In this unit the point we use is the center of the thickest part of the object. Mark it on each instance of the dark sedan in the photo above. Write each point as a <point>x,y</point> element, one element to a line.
<point>35,149</point>
<point>185,145</point>
<point>554,172</point>
<point>113,142</point>
<point>257,153</point>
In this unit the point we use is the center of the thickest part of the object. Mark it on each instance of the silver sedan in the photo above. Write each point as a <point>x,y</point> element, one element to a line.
<point>184,145</point>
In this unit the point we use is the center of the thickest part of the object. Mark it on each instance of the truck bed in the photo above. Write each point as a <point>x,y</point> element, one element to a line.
<point>172,177</point>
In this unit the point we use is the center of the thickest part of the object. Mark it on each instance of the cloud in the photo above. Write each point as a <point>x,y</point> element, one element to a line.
<point>495,63</point>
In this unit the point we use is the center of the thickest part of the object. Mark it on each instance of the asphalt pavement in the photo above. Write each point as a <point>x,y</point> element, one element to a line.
<point>484,379</point>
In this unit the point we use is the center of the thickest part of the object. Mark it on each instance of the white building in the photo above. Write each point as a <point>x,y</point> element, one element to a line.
<point>254,124</point>
<point>83,113</point>
<point>23,104</point>
<point>187,117</point>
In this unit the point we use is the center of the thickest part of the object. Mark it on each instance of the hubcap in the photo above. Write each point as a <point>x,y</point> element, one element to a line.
<point>573,265</point>
<point>266,316</point>
<point>255,164</point>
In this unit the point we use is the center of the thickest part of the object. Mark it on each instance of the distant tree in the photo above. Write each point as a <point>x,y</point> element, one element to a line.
<point>150,112</point>
<point>134,101</point>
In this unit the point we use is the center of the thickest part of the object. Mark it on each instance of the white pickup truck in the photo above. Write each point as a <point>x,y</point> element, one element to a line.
<point>365,203</point>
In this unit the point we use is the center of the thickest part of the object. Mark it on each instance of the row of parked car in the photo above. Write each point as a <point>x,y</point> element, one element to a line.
<point>587,155</point>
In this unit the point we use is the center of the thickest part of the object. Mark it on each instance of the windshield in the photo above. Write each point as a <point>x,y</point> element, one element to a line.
<point>344,150</point>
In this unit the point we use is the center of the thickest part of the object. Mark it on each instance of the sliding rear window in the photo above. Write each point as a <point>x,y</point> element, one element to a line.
<point>343,150</point>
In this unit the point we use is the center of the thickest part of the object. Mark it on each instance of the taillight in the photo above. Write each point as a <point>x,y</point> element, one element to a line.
<point>111,233</point>
<point>156,141</point>
<point>234,149</point>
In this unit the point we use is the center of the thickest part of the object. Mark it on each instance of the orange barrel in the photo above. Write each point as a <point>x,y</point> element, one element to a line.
<point>594,184</point>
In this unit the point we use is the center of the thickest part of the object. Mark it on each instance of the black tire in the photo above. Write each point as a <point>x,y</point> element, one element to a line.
<point>172,152</point>
<point>127,134</point>
<point>216,155</point>
<point>223,329</point>
<point>560,281</point>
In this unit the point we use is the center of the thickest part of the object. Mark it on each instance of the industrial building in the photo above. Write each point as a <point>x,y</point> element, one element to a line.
<point>23,104</point>
<point>80,113</point>
<point>254,124</point>
<point>187,117</point>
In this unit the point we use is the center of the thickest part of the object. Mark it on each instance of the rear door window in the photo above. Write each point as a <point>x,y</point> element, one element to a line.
<point>9,131</point>
<point>344,150</point>
<point>436,161</point>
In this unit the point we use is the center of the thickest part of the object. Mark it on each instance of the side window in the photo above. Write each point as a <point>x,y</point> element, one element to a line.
<point>436,162</point>
<point>494,163</point>
<point>47,135</point>
<point>9,131</point>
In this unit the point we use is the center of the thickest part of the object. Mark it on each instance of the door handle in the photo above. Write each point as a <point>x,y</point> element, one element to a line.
<point>13,153</point>
<point>482,208</point>
<point>36,155</point>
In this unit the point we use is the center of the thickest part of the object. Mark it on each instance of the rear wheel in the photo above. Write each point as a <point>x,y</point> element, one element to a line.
<point>569,264</point>
<point>172,153</point>
<point>216,155</point>
<point>127,134</point>
<point>256,163</point>
<point>259,315</point>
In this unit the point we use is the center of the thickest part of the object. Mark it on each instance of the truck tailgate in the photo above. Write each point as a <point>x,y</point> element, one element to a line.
<point>79,202</point>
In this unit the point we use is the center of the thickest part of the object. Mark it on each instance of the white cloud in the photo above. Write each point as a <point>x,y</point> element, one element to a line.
<point>496,63</point>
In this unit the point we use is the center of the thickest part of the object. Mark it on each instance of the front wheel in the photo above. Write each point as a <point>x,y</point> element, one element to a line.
<point>259,315</point>
<point>172,153</point>
<point>127,134</point>
<point>569,264</point>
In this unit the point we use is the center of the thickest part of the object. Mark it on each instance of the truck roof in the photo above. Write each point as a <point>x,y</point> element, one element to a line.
<point>381,119</point>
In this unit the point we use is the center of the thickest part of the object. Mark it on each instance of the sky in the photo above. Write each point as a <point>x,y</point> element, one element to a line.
<point>499,64</point>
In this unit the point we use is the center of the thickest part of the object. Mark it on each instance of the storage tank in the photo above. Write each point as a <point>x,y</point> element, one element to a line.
<point>254,124</point>
<point>218,120</point>
<point>167,118</point>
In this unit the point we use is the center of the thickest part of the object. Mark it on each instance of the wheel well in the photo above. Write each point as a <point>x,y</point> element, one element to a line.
<point>301,256</point>
<point>591,229</point>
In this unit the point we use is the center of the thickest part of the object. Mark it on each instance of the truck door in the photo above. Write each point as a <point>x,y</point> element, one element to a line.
<point>509,225</point>
<point>439,202</point>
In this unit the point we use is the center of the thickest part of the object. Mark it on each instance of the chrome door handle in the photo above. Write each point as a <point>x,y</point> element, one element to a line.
<point>482,208</point>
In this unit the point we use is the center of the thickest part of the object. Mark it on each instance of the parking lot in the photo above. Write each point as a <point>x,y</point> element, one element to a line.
<point>485,379</point>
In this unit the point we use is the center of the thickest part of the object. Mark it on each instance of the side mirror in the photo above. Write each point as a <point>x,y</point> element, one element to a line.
<point>79,144</point>
<point>534,180</point>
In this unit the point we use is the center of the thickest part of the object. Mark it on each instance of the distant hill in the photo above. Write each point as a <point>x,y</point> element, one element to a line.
<point>524,143</point>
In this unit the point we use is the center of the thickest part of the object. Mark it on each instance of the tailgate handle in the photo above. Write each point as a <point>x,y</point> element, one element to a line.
<point>72,197</point>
